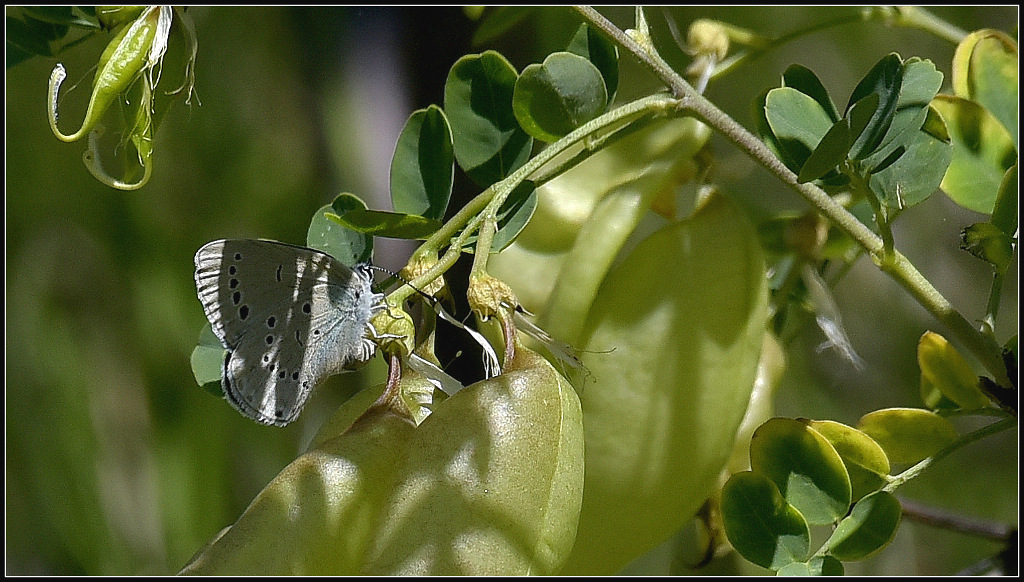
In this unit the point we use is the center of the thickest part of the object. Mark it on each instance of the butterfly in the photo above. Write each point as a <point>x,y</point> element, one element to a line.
<point>288,316</point>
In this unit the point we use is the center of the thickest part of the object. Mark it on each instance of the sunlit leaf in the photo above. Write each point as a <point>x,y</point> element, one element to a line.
<point>985,70</point>
<point>864,459</point>
<point>908,435</point>
<point>387,224</point>
<point>603,53</point>
<point>1004,214</point>
<point>808,471</point>
<point>556,97</point>
<point>982,153</point>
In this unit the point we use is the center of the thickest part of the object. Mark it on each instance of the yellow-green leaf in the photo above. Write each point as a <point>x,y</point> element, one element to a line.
<point>908,435</point>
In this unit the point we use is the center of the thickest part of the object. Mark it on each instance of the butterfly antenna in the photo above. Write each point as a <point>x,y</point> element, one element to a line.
<point>426,296</point>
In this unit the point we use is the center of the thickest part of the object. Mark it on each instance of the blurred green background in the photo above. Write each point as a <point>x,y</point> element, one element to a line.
<point>117,463</point>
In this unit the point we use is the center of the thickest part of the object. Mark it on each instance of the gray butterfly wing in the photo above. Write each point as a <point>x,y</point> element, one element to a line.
<point>289,317</point>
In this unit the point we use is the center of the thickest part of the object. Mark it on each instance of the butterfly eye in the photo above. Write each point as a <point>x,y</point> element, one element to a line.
<point>271,322</point>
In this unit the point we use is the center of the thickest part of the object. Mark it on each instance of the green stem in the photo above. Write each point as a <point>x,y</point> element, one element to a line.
<point>631,112</point>
<point>967,439</point>
<point>652,60</point>
<point>763,46</point>
<point>908,16</point>
<point>917,17</point>
<point>895,264</point>
<point>483,246</point>
<point>993,304</point>
<point>861,188</point>
<point>445,262</point>
<point>444,235</point>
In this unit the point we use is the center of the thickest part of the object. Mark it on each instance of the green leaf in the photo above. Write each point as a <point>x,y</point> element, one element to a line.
<point>603,53</point>
<point>760,524</point>
<point>946,370</point>
<point>1004,214</point>
<point>884,79</point>
<point>808,471</point>
<point>559,95</point>
<point>387,224</point>
<point>422,169</point>
<point>982,153</point>
<point>208,360</point>
<point>489,143</point>
<point>921,82</point>
<point>817,566</point>
<point>908,435</point>
<point>860,115</point>
<point>798,123</point>
<point>870,527</point>
<point>804,80</point>
<point>346,245</point>
<point>764,130</point>
<point>831,151</point>
<point>61,15</point>
<point>911,160</point>
<point>920,164</point>
<point>985,70</point>
<point>865,461</point>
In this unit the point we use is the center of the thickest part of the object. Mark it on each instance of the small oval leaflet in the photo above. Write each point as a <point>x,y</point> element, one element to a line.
<point>288,317</point>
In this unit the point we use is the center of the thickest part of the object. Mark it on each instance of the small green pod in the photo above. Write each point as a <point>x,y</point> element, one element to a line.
<point>121,62</point>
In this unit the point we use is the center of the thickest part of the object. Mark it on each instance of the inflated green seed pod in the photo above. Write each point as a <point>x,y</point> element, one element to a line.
<point>489,484</point>
<point>321,512</point>
<point>493,482</point>
<point>672,343</point>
